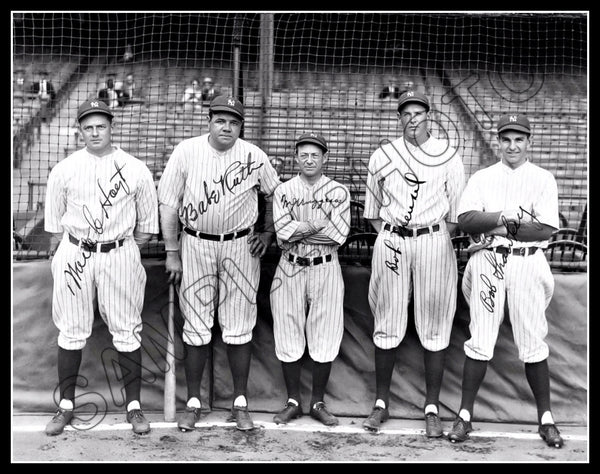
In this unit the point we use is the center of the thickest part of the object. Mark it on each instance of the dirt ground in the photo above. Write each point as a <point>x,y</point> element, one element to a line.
<point>304,440</point>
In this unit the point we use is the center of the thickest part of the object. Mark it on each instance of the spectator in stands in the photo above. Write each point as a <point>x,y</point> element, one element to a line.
<point>278,164</point>
<point>193,94</point>
<point>44,90</point>
<point>19,82</point>
<point>128,54</point>
<point>130,92</point>
<point>390,91</point>
<point>208,90</point>
<point>109,94</point>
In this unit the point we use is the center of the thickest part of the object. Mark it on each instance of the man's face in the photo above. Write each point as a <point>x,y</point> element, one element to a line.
<point>206,85</point>
<point>96,130</point>
<point>129,79</point>
<point>310,159</point>
<point>413,117</point>
<point>513,147</point>
<point>224,129</point>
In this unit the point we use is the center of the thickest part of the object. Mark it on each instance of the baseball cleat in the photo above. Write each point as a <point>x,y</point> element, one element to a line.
<point>290,412</point>
<point>58,422</point>
<point>433,425</point>
<point>550,434</point>
<point>138,421</point>
<point>460,430</point>
<point>187,421</point>
<point>320,413</point>
<point>376,418</point>
<point>241,417</point>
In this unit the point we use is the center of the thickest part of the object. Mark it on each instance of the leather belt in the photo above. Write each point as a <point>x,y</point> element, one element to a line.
<point>307,261</point>
<point>217,237</point>
<point>521,251</point>
<point>407,232</point>
<point>98,246</point>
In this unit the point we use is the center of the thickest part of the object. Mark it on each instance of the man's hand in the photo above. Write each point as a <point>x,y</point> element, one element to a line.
<point>173,267</point>
<point>259,243</point>
<point>479,241</point>
<point>319,224</point>
<point>514,215</point>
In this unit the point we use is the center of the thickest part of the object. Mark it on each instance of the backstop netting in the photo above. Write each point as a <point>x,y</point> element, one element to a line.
<point>336,73</point>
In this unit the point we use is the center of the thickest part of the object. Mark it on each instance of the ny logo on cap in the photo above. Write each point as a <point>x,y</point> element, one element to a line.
<point>94,104</point>
<point>313,135</point>
<point>410,94</point>
<point>512,118</point>
<point>231,102</point>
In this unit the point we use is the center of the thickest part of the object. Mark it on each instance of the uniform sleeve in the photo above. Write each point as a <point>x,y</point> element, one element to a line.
<point>56,202</point>
<point>285,225</point>
<point>172,181</point>
<point>269,179</point>
<point>471,198</point>
<point>455,184</point>
<point>546,205</point>
<point>339,225</point>
<point>146,203</point>
<point>373,192</point>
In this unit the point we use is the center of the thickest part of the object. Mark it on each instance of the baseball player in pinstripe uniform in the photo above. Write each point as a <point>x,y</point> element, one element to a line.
<point>413,187</point>
<point>311,213</point>
<point>511,209</point>
<point>100,203</point>
<point>210,185</point>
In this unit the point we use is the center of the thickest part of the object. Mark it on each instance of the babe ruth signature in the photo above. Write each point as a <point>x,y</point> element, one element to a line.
<point>96,224</point>
<point>234,176</point>
<point>512,227</point>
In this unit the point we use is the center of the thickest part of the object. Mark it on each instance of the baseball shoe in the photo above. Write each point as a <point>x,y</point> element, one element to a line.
<point>433,425</point>
<point>376,418</point>
<point>460,430</point>
<point>320,413</point>
<point>290,412</point>
<point>241,417</point>
<point>58,422</point>
<point>187,420</point>
<point>138,421</point>
<point>551,435</point>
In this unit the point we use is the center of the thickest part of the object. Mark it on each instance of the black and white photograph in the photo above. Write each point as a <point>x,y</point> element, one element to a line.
<point>300,237</point>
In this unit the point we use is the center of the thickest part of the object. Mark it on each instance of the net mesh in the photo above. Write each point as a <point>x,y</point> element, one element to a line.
<point>336,73</point>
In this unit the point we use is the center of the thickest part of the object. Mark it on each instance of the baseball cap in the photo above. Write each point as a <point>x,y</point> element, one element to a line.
<point>517,122</point>
<point>93,106</point>
<point>413,96</point>
<point>223,103</point>
<point>312,137</point>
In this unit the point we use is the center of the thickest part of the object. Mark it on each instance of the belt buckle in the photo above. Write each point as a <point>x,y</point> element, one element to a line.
<point>523,251</point>
<point>303,261</point>
<point>88,244</point>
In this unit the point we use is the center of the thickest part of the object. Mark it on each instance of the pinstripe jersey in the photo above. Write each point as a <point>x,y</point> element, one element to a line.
<point>499,187</point>
<point>213,191</point>
<point>414,186</point>
<point>296,201</point>
<point>101,198</point>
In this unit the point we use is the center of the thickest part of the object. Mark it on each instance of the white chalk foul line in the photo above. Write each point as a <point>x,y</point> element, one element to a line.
<point>297,427</point>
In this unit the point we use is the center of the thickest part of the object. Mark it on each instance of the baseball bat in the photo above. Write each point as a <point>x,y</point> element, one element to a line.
<point>170,379</point>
